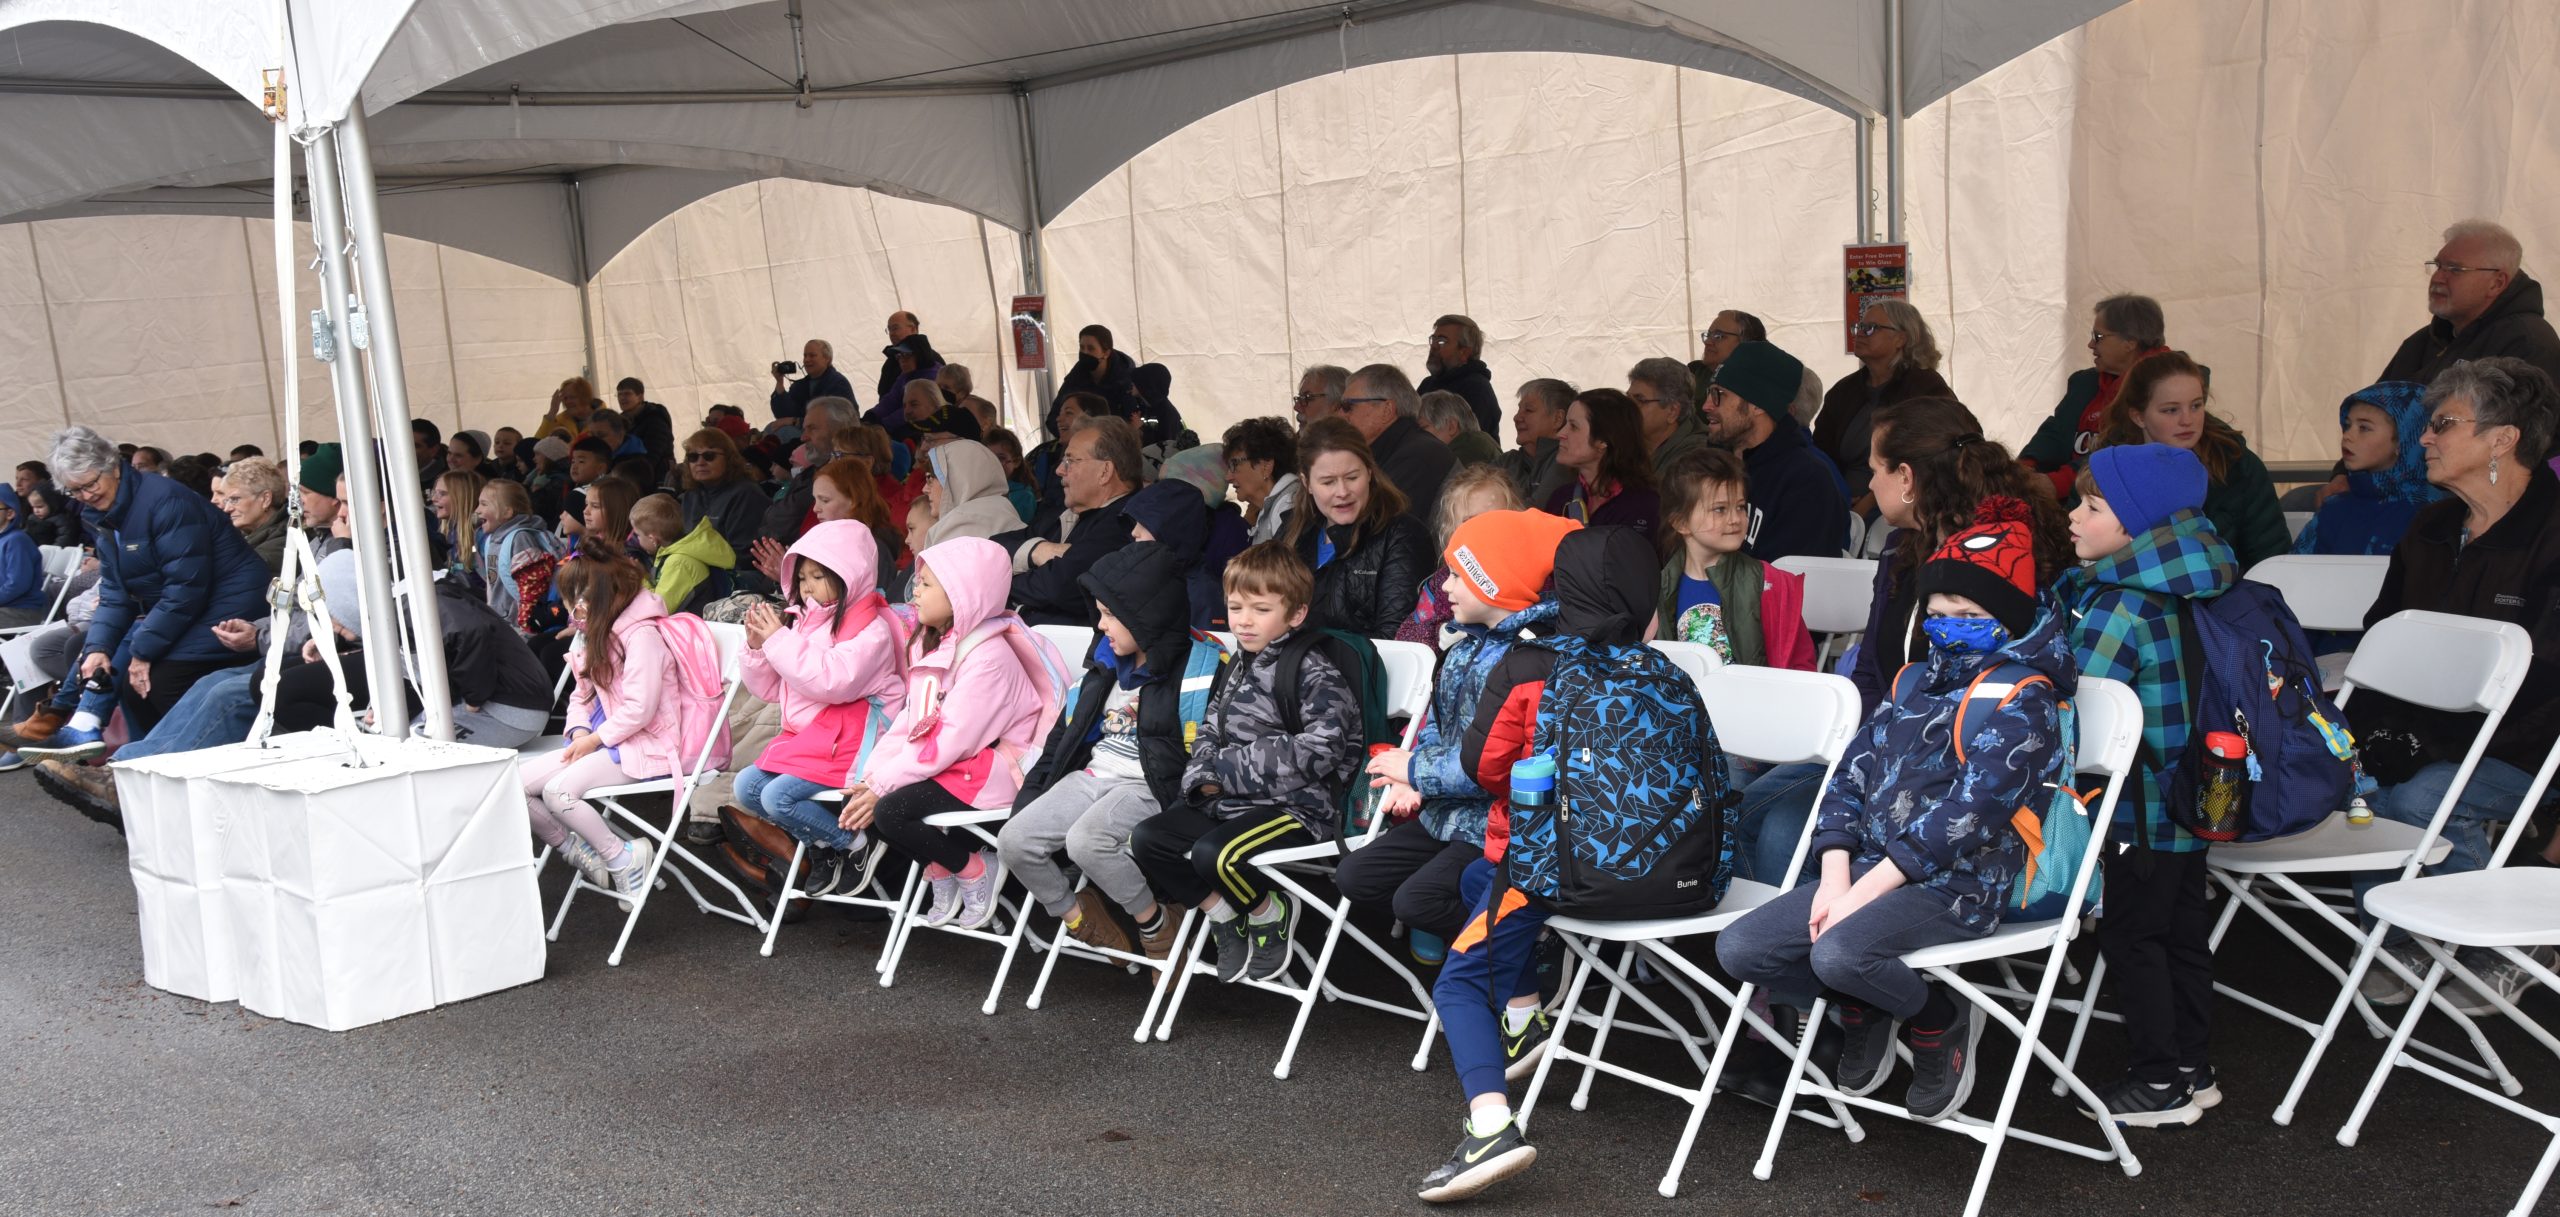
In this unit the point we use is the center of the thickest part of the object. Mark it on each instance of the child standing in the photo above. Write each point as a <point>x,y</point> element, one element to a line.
<point>1253,784</point>
<point>1494,578</point>
<point>1116,758</point>
<point>973,714</point>
<point>1712,592</point>
<point>686,569</point>
<point>834,672</point>
<point>623,723</point>
<point>1914,838</point>
<point>2141,527</point>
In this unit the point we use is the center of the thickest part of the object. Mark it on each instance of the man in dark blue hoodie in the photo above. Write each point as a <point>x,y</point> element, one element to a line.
<point>22,599</point>
<point>1799,505</point>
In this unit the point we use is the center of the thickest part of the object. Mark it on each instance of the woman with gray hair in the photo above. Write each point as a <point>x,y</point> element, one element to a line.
<point>171,566</point>
<point>1452,421</point>
<point>252,493</point>
<point>2490,551</point>
<point>1898,361</point>
<point>2124,330</point>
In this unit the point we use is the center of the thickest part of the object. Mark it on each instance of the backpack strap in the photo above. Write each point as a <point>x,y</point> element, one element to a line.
<point>1994,685</point>
<point>1293,655</point>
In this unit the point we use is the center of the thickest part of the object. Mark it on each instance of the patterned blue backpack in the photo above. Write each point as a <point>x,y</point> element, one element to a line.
<point>1638,828</point>
<point>2055,820</point>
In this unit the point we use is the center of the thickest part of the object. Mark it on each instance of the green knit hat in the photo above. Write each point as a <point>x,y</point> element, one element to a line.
<point>321,469</point>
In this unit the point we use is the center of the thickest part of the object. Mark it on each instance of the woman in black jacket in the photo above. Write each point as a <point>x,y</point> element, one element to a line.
<point>1352,530</point>
<point>720,487</point>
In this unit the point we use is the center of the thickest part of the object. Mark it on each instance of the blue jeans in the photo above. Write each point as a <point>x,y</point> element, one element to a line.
<point>1476,981</point>
<point>1859,958</point>
<point>786,801</point>
<point>1770,821</point>
<point>215,710</point>
<point>2493,795</point>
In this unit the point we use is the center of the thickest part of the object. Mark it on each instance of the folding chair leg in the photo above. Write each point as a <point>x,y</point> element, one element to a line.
<point>1600,1039</point>
<point>1021,914</point>
<point>1163,982</point>
<point>790,876</point>
<point>1057,947</point>
<point>897,924</point>
<point>1796,1064</point>
<point>1315,987</point>
<point>1182,988</point>
<point>561,916</point>
<point>2080,1024</point>
<point>1670,1184</point>
<point>2391,1056</point>
<point>1564,1025</point>
<point>2365,953</point>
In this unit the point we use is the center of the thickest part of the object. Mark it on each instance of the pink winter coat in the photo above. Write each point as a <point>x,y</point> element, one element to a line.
<point>990,700</point>
<point>641,710</point>
<point>1782,632</point>
<point>833,668</point>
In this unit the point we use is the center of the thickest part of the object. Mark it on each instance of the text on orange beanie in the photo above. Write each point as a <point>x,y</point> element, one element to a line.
<point>1507,556</point>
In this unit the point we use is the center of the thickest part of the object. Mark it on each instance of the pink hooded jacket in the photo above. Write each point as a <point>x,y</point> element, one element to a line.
<point>641,714</point>
<point>833,668</point>
<point>952,721</point>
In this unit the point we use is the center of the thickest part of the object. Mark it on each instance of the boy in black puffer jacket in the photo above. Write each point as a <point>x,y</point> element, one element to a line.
<point>1117,754</point>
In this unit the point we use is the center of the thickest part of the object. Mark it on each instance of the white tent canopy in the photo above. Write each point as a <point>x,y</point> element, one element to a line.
<point>551,133</point>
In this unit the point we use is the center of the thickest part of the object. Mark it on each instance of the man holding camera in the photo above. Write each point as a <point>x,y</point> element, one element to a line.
<point>819,379</point>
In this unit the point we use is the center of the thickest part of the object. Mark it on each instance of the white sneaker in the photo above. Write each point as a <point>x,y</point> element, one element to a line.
<point>584,859</point>
<point>2496,972</point>
<point>978,896</point>
<point>946,901</point>
<point>629,877</point>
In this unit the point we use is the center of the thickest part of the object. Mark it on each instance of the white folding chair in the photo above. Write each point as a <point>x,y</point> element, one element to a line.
<point>2502,909</point>
<point>1074,642</point>
<point>1696,660</point>
<point>2296,521</point>
<point>2465,665</point>
<point>669,839</point>
<point>1837,594</point>
<point>2110,730</point>
<point>60,563</point>
<point>1409,667</point>
<point>1763,714</point>
<point>2325,591</point>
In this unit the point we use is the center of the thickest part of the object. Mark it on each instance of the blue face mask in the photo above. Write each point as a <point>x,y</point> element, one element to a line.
<point>1962,634</point>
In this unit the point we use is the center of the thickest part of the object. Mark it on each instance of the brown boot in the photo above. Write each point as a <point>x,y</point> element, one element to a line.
<point>89,789</point>
<point>37,729</point>
<point>1094,926</point>
<point>1159,945</point>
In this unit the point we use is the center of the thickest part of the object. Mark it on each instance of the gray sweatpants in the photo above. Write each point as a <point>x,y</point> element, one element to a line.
<point>1092,818</point>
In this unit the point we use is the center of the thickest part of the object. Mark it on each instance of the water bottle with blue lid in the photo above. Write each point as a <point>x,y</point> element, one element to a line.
<point>1533,781</point>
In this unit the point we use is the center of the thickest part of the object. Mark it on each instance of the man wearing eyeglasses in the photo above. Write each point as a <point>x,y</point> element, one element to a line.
<point>1102,466</point>
<point>1320,391</point>
<point>1730,329</point>
<point>1456,365</point>
<point>2482,304</point>
<point>1799,505</point>
<point>1381,404</point>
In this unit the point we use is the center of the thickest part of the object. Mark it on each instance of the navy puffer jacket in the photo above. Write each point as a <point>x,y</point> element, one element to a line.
<point>170,565</point>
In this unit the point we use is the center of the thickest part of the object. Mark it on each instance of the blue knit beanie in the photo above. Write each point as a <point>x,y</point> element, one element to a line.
<point>2145,484</point>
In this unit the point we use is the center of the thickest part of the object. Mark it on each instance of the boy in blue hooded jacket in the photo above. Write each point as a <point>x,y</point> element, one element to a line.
<point>2378,430</point>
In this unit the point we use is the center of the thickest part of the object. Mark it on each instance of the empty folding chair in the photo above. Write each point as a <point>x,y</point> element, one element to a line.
<point>2462,665</point>
<point>2110,731</point>
<point>2328,592</point>
<point>1409,667</point>
<point>668,838</point>
<point>1837,594</point>
<point>2509,910</point>
<point>1763,714</point>
<point>60,563</point>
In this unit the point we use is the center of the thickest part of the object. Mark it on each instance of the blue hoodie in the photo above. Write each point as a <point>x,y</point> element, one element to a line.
<point>1902,797</point>
<point>2375,511</point>
<point>21,563</point>
<point>1453,805</point>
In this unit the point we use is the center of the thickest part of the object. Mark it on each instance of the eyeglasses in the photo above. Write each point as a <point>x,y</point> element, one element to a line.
<point>1364,401</point>
<point>1864,328</point>
<point>1303,398</point>
<point>1648,401</point>
<point>697,458</point>
<point>84,489</point>
<point>2446,422</point>
<point>2102,336</point>
<point>1712,336</point>
<point>1439,340</point>
<point>2440,267</point>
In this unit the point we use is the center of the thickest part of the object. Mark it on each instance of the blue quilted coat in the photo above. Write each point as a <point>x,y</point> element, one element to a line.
<point>1453,805</point>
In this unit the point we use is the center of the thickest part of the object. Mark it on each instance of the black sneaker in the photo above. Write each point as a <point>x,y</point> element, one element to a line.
<point>1227,938</point>
<point>2134,1103</point>
<point>1479,1163</point>
<point>1520,1052</point>
<point>825,870</point>
<point>1269,941</point>
<point>702,834</point>
<point>2202,1085</point>
<point>1942,1066</point>
<point>1866,1049</point>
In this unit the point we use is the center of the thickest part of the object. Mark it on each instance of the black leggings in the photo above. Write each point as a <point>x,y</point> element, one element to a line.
<point>1185,853</point>
<point>899,820</point>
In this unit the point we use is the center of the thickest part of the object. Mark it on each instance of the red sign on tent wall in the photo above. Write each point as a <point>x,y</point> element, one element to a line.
<point>1872,273</point>
<point>1030,334</point>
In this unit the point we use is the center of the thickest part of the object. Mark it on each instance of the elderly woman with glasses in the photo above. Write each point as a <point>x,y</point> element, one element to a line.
<point>171,568</point>
<point>719,487</point>
<point>2492,550</point>
<point>252,493</point>
<point>1898,361</point>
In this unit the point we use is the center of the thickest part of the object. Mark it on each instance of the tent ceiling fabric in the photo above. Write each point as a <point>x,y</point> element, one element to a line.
<point>911,100</point>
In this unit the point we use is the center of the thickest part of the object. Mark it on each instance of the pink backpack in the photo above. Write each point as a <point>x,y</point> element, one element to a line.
<point>700,687</point>
<point>1040,660</point>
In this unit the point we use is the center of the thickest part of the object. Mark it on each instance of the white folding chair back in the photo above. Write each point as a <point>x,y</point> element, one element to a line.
<point>1778,716</point>
<point>1409,667</point>
<point>2325,591</point>
<point>2467,665</point>
<point>1696,659</point>
<point>2296,521</point>
<point>1074,643</point>
<point>1837,591</point>
<point>59,564</point>
<point>1857,536</point>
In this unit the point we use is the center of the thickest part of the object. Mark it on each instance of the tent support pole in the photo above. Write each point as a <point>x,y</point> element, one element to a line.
<point>391,386</point>
<point>355,431</point>
<point>1893,119</point>
<point>578,262</point>
<point>1035,278</point>
<point>1866,127</point>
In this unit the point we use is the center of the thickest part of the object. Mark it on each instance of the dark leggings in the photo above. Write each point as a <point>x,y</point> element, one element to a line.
<point>1185,853</point>
<point>899,820</point>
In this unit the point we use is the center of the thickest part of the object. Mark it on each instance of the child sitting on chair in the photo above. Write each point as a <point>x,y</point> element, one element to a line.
<point>1253,783</point>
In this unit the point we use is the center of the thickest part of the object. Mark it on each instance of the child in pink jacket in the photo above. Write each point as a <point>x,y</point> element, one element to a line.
<point>836,672</point>
<point>974,717</point>
<point>623,720</point>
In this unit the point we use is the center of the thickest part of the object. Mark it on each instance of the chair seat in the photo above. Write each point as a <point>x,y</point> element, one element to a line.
<point>974,815</point>
<point>543,745</point>
<point>648,786</point>
<point>2513,906</point>
<point>1741,897</point>
<point>2018,938</point>
<point>2335,845</point>
<point>1321,851</point>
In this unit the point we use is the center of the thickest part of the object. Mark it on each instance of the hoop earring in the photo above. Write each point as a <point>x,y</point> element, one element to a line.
<point>1906,498</point>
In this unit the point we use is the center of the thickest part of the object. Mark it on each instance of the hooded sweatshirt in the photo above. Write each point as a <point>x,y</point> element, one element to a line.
<point>1902,797</point>
<point>968,720</point>
<point>835,669</point>
<point>973,493</point>
<point>1454,805</point>
<point>636,712</point>
<point>1173,671</point>
<point>682,571</point>
<point>21,562</point>
<point>2378,505</point>
<point>1179,521</point>
<point>2124,626</point>
<point>503,549</point>
<point>1799,505</point>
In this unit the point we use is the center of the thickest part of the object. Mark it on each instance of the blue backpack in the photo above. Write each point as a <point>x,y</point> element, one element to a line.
<point>1638,827</point>
<point>2055,820</point>
<point>2268,755</point>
